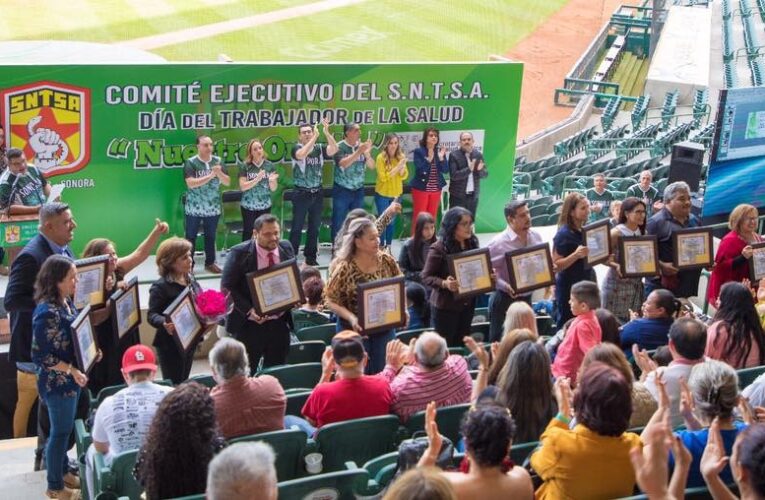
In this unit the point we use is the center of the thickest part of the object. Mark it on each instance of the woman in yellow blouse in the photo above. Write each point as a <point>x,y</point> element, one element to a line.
<point>592,460</point>
<point>391,174</point>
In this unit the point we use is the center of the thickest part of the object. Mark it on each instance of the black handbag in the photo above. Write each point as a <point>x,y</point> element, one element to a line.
<point>411,450</point>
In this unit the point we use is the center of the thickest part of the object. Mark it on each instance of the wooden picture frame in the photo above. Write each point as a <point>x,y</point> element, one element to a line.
<point>597,239</point>
<point>692,248</point>
<point>639,256</point>
<point>472,270</point>
<point>182,313</point>
<point>84,341</point>
<point>91,286</point>
<point>381,304</point>
<point>126,309</point>
<point>530,268</point>
<point>757,263</point>
<point>276,288</point>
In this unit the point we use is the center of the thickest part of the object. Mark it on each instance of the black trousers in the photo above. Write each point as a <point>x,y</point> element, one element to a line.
<point>453,325</point>
<point>269,340</point>
<point>175,366</point>
<point>469,202</point>
<point>498,304</point>
<point>307,202</point>
<point>248,221</point>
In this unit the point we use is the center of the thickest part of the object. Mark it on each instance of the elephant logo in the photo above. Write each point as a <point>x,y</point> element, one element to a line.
<point>51,122</point>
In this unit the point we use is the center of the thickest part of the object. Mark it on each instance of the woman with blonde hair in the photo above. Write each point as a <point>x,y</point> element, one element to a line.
<point>509,341</point>
<point>421,483</point>
<point>257,179</point>
<point>391,174</point>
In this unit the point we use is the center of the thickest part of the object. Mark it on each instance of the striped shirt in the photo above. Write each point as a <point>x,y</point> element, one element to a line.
<point>432,185</point>
<point>415,387</point>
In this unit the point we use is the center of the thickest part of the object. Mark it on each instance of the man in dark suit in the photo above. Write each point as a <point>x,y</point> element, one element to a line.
<point>56,231</point>
<point>466,169</point>
<point>263,336</point>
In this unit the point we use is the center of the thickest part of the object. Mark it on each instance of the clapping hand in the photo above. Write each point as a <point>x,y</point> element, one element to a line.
<point>478,351</point>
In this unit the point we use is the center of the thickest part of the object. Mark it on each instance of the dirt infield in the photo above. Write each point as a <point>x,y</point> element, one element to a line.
<point>550,52</point>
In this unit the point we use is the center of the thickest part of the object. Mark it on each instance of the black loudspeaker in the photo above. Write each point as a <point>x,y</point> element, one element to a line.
<point>687,159</point>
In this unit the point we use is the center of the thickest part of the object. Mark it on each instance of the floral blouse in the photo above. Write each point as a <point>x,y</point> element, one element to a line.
<point>346,275</point>
<point>51,344</point>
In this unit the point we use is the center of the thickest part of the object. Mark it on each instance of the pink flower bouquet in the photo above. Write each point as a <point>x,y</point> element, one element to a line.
<point>213,306</point>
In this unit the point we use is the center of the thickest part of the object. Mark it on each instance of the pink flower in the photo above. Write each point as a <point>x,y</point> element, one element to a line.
<point>211,303</point>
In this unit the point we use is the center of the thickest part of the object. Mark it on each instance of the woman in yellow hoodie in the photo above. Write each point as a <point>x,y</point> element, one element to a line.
<point>391,174</point>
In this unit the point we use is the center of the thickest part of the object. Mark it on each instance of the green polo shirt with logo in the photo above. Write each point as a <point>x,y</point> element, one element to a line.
<point>259,196</point>
<point>604,199</point>
<point>307,172</point>
<point>28,189</point>
<point>202,201</point>
<point>353,176</point>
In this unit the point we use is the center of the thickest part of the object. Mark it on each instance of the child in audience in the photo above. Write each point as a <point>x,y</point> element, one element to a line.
<point>584,332</point>
<point>417,306</point>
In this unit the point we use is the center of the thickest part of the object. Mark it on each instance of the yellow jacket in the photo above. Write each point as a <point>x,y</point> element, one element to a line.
<point>582,464</point>
<point>387,184</point>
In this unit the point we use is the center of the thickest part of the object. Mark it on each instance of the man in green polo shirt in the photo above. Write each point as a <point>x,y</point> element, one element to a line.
<point>23,189</point>
<point>307,164</point>
<point>600,198</point>
<point>204,173</point>
<point>643,190</point>
<point>350,161</point>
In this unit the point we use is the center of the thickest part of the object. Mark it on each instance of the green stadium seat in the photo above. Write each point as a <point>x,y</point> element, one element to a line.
<point>320,332</point>
<point>552,220</point>
<point>201,496</point>
<point>406,336</point>
<point>358,440</point>
<point>482,328</point>
<point>341,485</point>
<point>118,479</point>
<point>381,471</point>
<point>539,220</point>
<point>205,380</point>
<point>295,402</point>
<point>481,315</point>
<point>302,376</point>
<point>302,320</point>
<point>747,375</point>
<point>289,445</point>
<point>545,325</point>
<point>448,418</point>
<point>538,210</point>
<point>521,451</point>
<point>306,352</point>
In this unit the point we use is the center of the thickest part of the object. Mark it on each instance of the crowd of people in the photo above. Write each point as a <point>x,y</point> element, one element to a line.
<point>575,394</point>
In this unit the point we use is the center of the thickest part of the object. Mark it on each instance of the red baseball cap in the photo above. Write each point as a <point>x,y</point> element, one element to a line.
<point>139,357</point>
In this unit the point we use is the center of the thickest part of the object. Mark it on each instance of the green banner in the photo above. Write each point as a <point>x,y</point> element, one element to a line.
<point>117,135</point>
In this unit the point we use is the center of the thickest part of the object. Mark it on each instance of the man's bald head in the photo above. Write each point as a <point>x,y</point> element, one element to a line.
<point>431,350</point>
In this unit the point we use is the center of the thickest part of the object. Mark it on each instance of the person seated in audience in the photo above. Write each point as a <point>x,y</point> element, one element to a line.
<point>736,335</point>
<point>182,439</point>
<point>433,375</point>
<point>414,251</point>
<point>353,394</point>
<point>519,315</point>
<point>662,356</point>
<point>311,312</point>
<point>243,404</point>
<point>755,392</point>
<point>592,460</point>
<point>486,471</point>
<point>687,338</point>
<point>747,463</point>
<point>643,403</point>
<point>609,325</point>
<point>614,210</point>
<point>417,306</point>
<point>241,472</point>
<point>583,334</point>
<point>711,393</point>
<point>421,483</point>
<point>510,341</point>
<point>524,387</point>
<point>122,420</point>
<point>650,331</point>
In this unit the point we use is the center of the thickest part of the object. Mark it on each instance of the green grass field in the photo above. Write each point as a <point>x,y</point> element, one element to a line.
<point>367,30</point>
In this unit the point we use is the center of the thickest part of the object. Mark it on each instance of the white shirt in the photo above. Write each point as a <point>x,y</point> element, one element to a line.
<point>672,375</point>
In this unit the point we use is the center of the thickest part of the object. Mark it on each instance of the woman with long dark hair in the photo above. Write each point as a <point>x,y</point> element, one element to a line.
<point>389,185</point>
<point>417,306</point>
<point>181,441</point>
<point>736,335</point>
<point>430,166</point>
<point>569,252</point>
<point>415,250</point>
<point>452,316</point>
<point>620,295</point>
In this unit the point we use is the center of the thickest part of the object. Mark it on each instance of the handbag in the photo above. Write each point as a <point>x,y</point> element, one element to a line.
<point>411,450</point>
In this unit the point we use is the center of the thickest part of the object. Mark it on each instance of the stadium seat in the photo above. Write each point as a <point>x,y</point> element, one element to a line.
<point>538,210</point>
<point>747,375</point>
<point>520,452</point>
<point>481,315</point>
<point>545,325</point>
<point>295,402</point>
<point>358,440</point>
<point>381,471</point>
<point>320,332</point>
<point>289,445</point>
<point>302,376</point>
<point>341,485</point>
<point>232,218</point>
<point>300,321</point>
<point>448,418</point>
<point>118,479</point>
<point>406,336</point>
<point>482,328</point>
<point>539,220</point>
<point>306,352</point>
<point>206,380</point>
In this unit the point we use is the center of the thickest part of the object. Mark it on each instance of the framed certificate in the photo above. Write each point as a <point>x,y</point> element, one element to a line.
<point>276,289</point>
<point>639,256</point>
<point>183,315</point>
<point>692,248</point>
<point>597,239</point>
<point>126,310</point>
<point>472,270</point>
<point>382,304</point>
<point>530,268</point>
<point>757,263</point>
<point>91,285</point>
<point>84,340</point>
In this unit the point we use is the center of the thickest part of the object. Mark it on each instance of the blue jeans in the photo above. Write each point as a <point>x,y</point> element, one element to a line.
<point>374,346</point>
<point>210,227</point>
<point>343,201</point>
<point>383,202</point>
<point>61,410</point>
<point>301,423</point>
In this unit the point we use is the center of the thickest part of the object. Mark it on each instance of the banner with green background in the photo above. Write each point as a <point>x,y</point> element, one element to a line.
<point>117,135</point>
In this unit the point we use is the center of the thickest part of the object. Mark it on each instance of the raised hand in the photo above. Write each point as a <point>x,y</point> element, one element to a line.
<point>714,460</point>
<point>478,350</point>
<point>161,227</point>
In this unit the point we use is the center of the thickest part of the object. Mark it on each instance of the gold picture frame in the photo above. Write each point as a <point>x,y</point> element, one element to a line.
<point>276,288</point>
<point>382,304</point>
<point>91,285</point>
<point>530,268</point>
<point>472,270</point>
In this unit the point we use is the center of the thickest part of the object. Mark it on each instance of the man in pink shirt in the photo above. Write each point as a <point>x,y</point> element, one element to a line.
<point>583,334</point>
<point>434,376</point>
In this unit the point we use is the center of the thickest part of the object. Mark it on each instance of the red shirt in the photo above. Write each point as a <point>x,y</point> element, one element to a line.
<point>346,399</point>
<point>724,270</point>
<point>583,334</point>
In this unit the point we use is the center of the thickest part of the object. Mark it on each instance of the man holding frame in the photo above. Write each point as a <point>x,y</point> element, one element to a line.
<point>268,336</point>
<point>517,235</point>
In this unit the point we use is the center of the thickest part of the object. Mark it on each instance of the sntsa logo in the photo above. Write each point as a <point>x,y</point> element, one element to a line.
<point>51,123</point>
